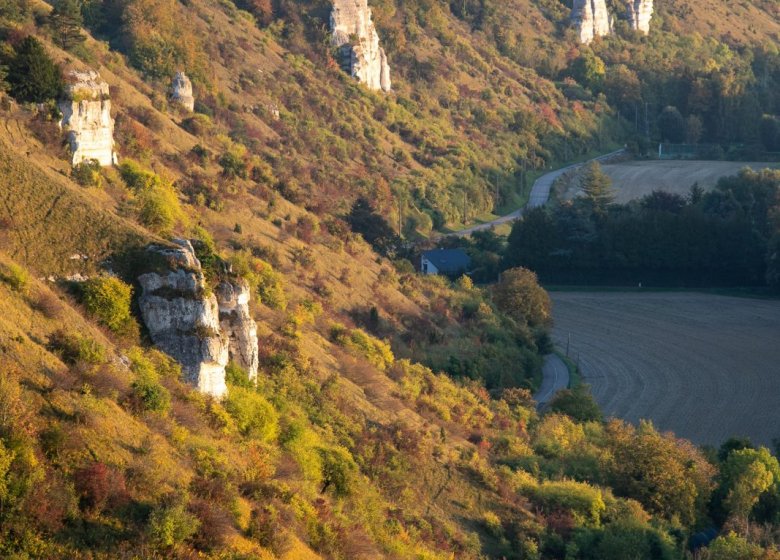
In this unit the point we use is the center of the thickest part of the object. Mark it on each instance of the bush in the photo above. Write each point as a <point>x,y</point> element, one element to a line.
<point>154,198</point>
<point>358,342</point>
<point>577,403</point>
<point>170,526</point>
<point>264,280</point>
<point>17,278</point>
<point>254,416</point>
<point>107,299</point>
<point>87,173</point>
<point>98,486</point>
<point>74,348</point>
<point>148,393</point>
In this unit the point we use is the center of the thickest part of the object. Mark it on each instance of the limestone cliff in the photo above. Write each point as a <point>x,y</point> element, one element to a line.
<point>237,324</point>
<point>591,19</point>
<point>355,37</point>
<point>86,116</point>
<point>181,92</point>
<point>639,13</point>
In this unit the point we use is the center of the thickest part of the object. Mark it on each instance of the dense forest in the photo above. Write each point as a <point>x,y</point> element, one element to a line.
<point>393,414</point>
<point>726,237</point>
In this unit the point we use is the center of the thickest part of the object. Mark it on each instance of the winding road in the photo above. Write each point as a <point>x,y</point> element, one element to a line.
<point>555,376</point>
<point>540,194</point>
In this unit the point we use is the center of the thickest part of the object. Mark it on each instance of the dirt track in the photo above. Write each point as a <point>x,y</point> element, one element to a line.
<point>706,367</point>
<point>635,179</point>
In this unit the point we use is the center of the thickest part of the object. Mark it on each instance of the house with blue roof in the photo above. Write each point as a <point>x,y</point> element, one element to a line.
<point>449,262</point>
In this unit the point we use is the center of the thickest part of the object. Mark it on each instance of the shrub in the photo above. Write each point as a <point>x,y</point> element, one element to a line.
<point>32,74</point>
<point>17,278</point>
<point>577,403</point>
<point>358,342</point>
<point>74,348</point>
<point>98,486</point>
<point>87,173</point>
<point>583,501</point>
<point>154,198</point>
<point>170,526</point>
<point>254,416</point>
<point>264,280</point>
<point>107,299</point>
<point>148,393</point>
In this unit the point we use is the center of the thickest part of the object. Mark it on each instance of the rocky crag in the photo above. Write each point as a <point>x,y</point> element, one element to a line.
<point>639,14</point>
<point>199,329</point>
<point>237,324</point>
<point>86,116</point>
<point>591,19</point>
<point>355,37</point>
<point>181,92</point>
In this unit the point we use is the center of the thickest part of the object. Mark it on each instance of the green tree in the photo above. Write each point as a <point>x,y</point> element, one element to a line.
<point>589,70</point>
<point>32,74</point>
<point>66,21</point>
<point>596,185</point>
<point>363,219</point>
<point>671,125</point>
<point>577,403</point>
<point>519,295</point>
<point>666,476</point>
<point>734,547</point>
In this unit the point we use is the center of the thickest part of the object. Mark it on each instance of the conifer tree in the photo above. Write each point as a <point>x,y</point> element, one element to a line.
<point>596,185</point>
<point>66,22</point>
<point>32,74</point>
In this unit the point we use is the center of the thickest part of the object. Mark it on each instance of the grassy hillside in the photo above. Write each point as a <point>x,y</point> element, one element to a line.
<point>393,417</point>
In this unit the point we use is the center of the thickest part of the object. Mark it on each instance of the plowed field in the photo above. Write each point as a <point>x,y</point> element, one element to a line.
<point>706,367</point>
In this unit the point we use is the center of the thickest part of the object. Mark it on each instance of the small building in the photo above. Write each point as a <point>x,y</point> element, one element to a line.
<point>449,262</point>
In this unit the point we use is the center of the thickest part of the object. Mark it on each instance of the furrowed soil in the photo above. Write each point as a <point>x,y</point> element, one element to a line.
<point>704,366</point>
<point>634,179</point>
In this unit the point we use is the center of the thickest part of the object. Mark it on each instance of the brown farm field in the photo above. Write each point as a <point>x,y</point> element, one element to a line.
<point>635,179</point>
<point>706,367</point>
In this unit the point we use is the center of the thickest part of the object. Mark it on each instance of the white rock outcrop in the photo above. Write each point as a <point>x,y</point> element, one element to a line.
<point>639,13</point>
<point>591,19</point>
<point>86,116</point>
<point>181,92</point>
<point>355,37</point>
<point>237,324</point>
<point>202,331</point>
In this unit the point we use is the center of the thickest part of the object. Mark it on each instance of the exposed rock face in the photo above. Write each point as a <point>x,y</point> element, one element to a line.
<point>591,18</point>
<point>356,38</point>
<point>201,331</point>
<point>639,13</point>
<point>86,115</point>
<point>183,320</point>
<point>238,325</point>
<point>181,91</point>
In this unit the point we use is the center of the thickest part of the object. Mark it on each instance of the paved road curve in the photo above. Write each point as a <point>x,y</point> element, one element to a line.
<point>555,376</point>
<point>540,194</point>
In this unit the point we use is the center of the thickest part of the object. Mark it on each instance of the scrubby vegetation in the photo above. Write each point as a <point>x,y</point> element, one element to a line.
<point>393,414</point>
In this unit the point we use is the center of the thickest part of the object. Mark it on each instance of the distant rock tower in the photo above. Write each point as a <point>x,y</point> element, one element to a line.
<point>639,13</point>
<point>591,18</point>
<point>354,35</point>
<point>181,91</point>
<point>86,117</point>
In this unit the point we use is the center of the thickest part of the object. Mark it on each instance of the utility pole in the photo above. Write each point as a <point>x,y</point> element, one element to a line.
<point>400,218</point>
<point>647,121</point>
<point>465,200</point>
